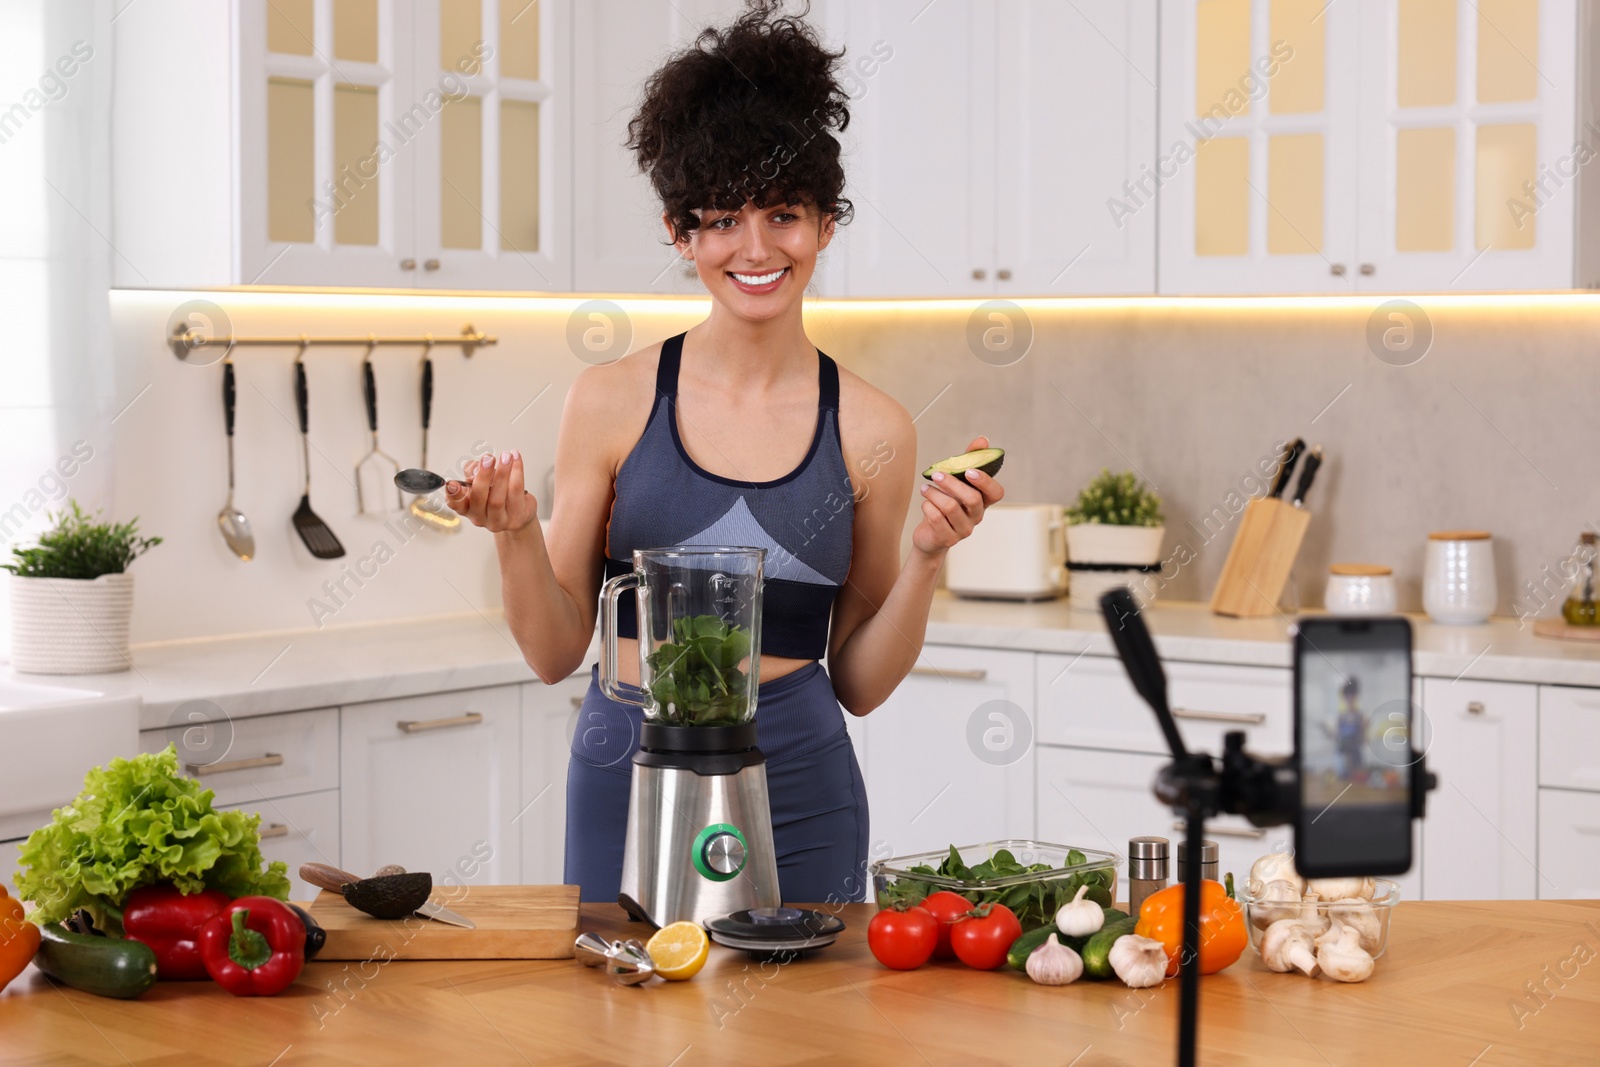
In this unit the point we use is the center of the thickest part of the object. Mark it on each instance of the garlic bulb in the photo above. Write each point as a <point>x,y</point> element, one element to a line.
<point>1274,867</point>
<point>1342,958</point>
<point>1279,899</point>
<point>1079,917</point>
<point>1361,917</point>
<point>1287,944</point>
<point>1053,963</point>
<point>1339,888</point>
<point>1138,961</point>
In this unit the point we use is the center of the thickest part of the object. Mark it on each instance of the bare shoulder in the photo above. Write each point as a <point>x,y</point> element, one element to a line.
<point>609,405</point>
<point>874,428</point>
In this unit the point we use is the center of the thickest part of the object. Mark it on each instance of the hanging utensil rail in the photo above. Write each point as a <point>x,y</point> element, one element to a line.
<point>188,338</point>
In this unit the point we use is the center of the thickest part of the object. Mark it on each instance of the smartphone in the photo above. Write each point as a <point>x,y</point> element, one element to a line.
<point>1353,746</point>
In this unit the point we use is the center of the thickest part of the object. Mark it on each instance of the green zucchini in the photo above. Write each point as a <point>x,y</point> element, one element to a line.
<point>1097,952</point>
<point>104,966</point>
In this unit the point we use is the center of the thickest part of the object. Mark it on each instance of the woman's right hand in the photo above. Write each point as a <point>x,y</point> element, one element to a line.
<point>491,494</point>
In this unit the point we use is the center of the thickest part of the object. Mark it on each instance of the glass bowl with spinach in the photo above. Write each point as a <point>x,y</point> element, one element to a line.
<point>700,677</point>
<point>1032,878</point>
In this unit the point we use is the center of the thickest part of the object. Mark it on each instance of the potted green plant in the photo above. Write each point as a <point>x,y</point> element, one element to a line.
<point>73,596</point>
<point>1114,534</point>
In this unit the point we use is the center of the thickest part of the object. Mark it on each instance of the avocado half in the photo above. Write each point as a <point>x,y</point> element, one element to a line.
<point>987,460</point>
<point>390,896</point>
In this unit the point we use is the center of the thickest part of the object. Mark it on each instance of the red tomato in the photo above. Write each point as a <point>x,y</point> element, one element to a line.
<point>902,940</point>
<point>948,908</point>
<point>983,939</point>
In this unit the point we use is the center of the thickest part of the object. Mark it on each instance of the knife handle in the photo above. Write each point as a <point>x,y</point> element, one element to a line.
<point>1308,471</point>
<point>1280,481</point>
<point>323,876</point>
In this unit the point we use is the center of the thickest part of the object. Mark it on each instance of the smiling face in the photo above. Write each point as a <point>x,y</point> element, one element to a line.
<point>756,262</point>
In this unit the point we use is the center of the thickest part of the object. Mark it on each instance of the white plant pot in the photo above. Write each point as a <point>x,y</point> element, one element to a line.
<point>1132,547</point>
<point>71,625</point>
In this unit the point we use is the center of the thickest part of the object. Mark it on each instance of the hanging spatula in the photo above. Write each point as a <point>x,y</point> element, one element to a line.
<point>319,539</point>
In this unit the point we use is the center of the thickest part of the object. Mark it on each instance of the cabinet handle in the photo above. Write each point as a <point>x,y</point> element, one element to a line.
<point>408,264</point>
<point>1337,270</point>
<point>408,726</point>
<point>1475,707</point>
<point>1242,718</point>
<point>430,264</point>
<point>1368,268</point>
<point>979,274</point>
<point>1003,274</point>
<point>277,829</point>
<point>1254,833</point>
<point>976,674</point>
<point>577,702</point>
<point>271,759</point>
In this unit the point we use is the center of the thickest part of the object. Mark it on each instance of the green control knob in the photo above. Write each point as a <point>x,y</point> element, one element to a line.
<point>720,851</point>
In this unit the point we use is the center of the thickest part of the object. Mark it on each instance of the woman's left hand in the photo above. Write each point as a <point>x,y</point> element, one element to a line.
<point>952,506</point>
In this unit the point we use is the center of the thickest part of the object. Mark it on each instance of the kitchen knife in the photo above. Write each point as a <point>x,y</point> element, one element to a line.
<point>1281,479</point>
<point>1308,472</point>
<point>333,879</point>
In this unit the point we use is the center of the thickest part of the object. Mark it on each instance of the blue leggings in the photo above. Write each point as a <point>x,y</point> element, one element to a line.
<point>819,802</point>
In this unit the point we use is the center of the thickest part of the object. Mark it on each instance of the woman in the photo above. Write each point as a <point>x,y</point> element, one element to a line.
<point>738,423</point>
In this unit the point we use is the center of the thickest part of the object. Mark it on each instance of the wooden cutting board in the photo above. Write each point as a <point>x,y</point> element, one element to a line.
<point>515,922</point>
<point>1562,630</point>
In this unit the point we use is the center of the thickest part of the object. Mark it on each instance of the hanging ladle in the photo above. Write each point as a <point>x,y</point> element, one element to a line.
<point>424,505</point>
<point>230,520</point>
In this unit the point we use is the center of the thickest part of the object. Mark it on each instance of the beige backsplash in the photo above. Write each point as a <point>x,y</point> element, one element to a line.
<point>1494,428</point>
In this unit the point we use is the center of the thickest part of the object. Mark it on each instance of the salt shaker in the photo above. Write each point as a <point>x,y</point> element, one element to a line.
<point>1147,869</point>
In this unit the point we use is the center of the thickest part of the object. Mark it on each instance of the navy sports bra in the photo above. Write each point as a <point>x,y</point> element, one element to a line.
<point>804,520</point>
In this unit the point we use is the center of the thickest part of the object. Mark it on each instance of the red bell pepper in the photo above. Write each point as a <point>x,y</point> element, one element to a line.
<point>254,947</point>
<point>169,922</point>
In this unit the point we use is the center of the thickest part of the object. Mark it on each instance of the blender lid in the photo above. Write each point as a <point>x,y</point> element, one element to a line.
<point>784,927</point>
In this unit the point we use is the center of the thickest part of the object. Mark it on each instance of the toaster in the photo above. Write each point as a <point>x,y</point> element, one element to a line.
<point>1017,552</point>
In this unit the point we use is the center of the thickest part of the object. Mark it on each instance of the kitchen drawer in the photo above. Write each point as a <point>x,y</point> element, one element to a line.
<point>1088,702</point>
<point>1569,845</point>
<point>299,829</point>
<point>245,760</point>
<point>1569,738</point>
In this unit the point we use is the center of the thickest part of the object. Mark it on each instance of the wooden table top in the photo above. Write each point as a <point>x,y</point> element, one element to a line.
<point>1454,988</point>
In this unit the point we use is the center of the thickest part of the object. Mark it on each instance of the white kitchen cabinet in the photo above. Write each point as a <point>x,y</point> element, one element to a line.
<point>1481,738</point>
<point>1569,737</point>
<point>949,756</point>
<point>386,144</point>
<point>617,44</point>
<point>1569,845</point>
<point>248,759</point>
<point>1334,148</point>
<point>299,829</point>
<point>549,716</point>
<point>432,783</point>
<point>986,141</point>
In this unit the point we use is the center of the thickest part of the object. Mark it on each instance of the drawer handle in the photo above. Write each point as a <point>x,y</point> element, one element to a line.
<point>1242,718</point>
<point>277,829</point>
<point>471,718</point>
<point>1254,833</point>
<point>1475,707</point>
<point>577,702</point>
<point>271,759</point>
<point>976,674</point>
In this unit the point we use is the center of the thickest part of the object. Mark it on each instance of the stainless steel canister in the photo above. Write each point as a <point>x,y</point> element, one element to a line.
<point>1208,859</point>
<point>1147,869</point>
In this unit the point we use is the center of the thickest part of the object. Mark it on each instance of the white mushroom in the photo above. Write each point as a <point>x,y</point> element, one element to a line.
<point>1139,961</point>
<point>1342,958</point>
<point>1360,916</point>
<point>1278,900</point>
<point>1339,888</point>
<point>1274,867</point>
<point>1315,919</point>
<point>1288,944</point>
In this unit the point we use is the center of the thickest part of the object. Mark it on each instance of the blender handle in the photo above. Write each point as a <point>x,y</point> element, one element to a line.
<point>608,636</point>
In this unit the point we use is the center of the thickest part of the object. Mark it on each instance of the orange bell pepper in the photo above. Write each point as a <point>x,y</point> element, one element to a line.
<point>1223,935</point>
<point>19,938</point>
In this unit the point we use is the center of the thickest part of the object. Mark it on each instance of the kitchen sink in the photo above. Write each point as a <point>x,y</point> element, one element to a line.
<point>49,738</point>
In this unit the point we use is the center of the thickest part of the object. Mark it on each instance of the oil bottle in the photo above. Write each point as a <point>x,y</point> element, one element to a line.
<point>1579,610</point>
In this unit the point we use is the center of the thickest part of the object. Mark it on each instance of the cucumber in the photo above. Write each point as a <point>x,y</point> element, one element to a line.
<point>1097,952</point>
<point>1022,947</point>
<point>104,966</point>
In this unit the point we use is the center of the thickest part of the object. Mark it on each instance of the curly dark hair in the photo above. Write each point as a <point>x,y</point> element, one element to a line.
<point>746,113</point>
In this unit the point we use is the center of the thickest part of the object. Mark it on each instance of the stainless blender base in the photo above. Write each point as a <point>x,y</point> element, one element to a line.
<point>687,835</point>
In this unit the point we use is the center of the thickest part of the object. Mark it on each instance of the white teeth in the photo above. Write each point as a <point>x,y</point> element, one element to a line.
<point>757,279</point>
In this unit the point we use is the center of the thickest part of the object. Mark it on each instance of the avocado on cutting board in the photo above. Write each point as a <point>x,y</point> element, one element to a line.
<point>515,922</point>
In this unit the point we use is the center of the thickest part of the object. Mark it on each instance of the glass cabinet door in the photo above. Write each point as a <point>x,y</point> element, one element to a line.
<point>1468,160</point>
<point>324,183</point>
<point>490,176</point>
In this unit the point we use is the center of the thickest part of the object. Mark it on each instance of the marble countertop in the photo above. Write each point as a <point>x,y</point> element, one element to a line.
<point>261,674</point>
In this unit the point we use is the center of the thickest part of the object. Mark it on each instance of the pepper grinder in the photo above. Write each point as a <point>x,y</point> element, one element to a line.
<point>1208,859</point>
<point>1147,869</point>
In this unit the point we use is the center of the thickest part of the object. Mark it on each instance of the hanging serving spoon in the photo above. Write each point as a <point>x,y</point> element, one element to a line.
<point>426,506</point>
<point>230,520</point>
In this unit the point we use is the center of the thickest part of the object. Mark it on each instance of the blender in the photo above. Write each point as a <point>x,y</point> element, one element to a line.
<point>699,838</point>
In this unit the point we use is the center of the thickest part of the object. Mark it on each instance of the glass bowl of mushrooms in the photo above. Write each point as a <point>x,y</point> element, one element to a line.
<point>1333,926</point>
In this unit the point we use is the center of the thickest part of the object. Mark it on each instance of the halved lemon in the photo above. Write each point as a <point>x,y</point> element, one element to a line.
<point>679,950</point>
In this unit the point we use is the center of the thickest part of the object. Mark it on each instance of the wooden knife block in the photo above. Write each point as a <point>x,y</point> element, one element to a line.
<point>1259,562</point>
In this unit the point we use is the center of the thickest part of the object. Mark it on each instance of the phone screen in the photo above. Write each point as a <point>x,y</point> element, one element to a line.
<point>1353,746</point>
